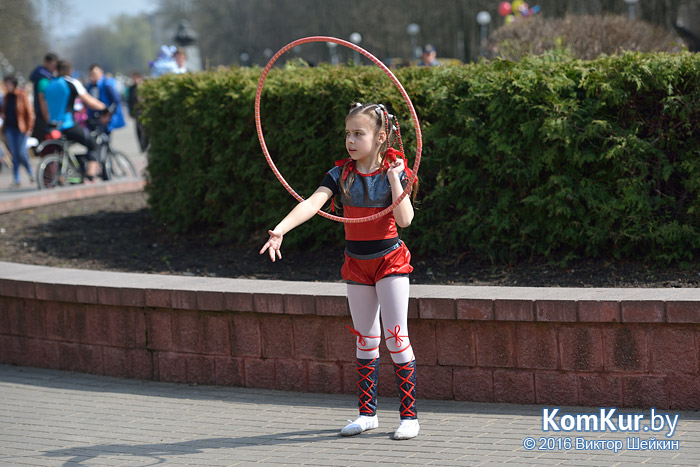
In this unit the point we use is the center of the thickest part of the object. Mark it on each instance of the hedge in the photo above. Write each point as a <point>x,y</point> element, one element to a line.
<point>547,157</point>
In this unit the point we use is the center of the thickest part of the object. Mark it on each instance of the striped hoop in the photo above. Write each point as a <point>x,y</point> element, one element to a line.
<point>414,116</point>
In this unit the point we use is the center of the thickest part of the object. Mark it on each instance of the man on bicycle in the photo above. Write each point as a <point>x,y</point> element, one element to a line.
<point>60,95</point>
<point>105,89</point>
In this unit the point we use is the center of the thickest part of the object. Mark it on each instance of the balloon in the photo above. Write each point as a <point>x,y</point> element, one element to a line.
<point>535,9</point>
<point>524,10</point>
<point>510,19</point>
<point>504,9</point>
<point>515,6</point>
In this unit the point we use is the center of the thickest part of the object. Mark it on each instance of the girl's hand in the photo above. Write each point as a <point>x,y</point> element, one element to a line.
<point>396,167</point>
<point>273,245</point>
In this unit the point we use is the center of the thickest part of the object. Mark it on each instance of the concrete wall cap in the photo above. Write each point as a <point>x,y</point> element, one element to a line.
<point>51,275</point>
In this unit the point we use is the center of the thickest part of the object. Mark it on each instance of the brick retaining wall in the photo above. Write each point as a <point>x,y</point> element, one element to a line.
<point>591,347</point>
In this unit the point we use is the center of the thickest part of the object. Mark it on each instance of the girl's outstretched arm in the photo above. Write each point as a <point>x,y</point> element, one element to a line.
<point>301,213</point>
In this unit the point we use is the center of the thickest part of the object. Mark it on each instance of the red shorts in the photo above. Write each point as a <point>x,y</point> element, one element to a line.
<point>369,269</point>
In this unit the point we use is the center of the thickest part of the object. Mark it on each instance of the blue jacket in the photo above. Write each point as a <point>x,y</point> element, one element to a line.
<point>37,75</point>
<point>107,93</point>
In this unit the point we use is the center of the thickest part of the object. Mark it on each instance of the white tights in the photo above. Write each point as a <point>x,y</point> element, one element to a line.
<point>390,295</point>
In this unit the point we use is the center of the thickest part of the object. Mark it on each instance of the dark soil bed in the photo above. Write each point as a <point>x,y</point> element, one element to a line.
<point>118,234</point>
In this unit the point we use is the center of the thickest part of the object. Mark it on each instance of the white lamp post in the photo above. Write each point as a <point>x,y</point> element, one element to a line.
<point>332,49</point>
<point>5,67</point>
<point>632,8</point>
<point>412,30</point>
<point>356,38</point>
<point>483,18</point>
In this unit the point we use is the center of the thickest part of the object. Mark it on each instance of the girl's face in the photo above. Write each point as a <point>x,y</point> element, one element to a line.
<point>10,86</point>
<point>361,140</point>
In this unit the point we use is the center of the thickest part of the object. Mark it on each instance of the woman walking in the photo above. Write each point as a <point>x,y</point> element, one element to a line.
<point>18,116</point>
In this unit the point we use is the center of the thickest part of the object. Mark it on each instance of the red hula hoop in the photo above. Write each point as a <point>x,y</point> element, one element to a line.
<point>414,116</point>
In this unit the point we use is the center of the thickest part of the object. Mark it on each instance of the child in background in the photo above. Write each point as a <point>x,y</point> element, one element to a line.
<point>377,262</point>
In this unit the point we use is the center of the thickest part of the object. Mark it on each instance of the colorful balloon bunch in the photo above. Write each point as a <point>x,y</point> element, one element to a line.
<point>516,9</point>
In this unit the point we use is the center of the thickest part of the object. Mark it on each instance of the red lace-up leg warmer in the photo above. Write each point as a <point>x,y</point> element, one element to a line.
<point>406,381</point>
<point>368,373</point>
<point>367,376</point>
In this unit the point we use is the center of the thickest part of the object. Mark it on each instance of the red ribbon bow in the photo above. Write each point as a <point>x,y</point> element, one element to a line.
<point>395,335</point>
<point>391,156</point>
<point>361,338</point>
<point>351,166</point>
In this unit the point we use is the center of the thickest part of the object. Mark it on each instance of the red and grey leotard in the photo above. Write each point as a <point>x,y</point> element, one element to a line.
<point>367,195</point>
<point>376,243</point>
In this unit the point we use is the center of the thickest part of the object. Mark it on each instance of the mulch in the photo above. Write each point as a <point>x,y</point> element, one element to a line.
<point>118,233</point>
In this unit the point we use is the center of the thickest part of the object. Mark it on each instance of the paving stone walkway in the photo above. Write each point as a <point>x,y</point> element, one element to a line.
<point>50,417</point>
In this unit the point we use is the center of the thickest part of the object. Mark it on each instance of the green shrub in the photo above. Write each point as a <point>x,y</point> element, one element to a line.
<point>542,158</point>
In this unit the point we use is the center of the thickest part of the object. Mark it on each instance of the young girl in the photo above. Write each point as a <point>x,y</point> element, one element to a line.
<point>377,262</point>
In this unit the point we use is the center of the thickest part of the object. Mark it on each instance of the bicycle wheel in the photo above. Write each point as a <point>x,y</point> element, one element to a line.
<point>117,165</point>
<point>104,151</point>
<point>48,173</point>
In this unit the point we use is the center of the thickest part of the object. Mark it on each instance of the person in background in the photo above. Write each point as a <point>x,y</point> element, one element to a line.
<point>170,59</point>
<point>429,56</point>
<point>4,160</point>
<point>40,77</point>
<point>134,110</point>
<point>105,90</point>
<point>180,57</point>
<point>60,96</point>
<point>18,116</point>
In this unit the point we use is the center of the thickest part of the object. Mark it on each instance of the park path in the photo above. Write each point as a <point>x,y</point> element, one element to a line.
<point>50,417</point>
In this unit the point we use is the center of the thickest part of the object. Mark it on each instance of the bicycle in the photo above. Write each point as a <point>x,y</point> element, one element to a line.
<point>61,166</point>
<point>115,164</point>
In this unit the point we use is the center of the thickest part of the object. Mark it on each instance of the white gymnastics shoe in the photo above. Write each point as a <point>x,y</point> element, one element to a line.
<point>361,423</point>
<point>407,429</point>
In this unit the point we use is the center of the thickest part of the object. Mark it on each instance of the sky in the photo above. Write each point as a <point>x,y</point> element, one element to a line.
<point>82,13</point>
